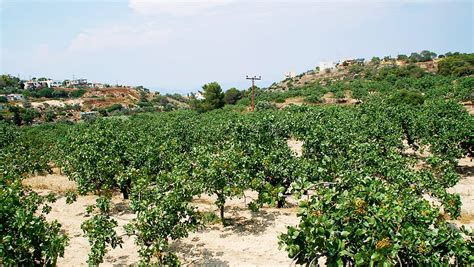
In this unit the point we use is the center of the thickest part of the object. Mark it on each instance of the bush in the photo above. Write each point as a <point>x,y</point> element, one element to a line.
<point>374,223</point>
<point>265,105</point>
<point>28,239</point>
<point>114,107</point>
<point>314,98</point>
<point>409,97</point>
<point>77,93</point>
<point>49,115</point>
<point>457,65</point>
<point>231,96</point>
<point>280,99</point>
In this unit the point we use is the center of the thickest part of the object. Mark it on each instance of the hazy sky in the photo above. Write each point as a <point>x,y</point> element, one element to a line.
<point>177,46</point>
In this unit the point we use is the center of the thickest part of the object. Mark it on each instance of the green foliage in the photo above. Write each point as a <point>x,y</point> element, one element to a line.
<point>265,105</point>
<point>408,97</point>
<point>402,57</point>
<point>163,214</point>
<point>162,100</point>
<point>280,99</point>
<point>77,93</point>
<point>366,221</point>
<point>231,96</point>
<point>49,116</point>
<point>114,107</point>
<point>375,60</point>
<point>9,81</point>
<point>100,231</point>
<point>222,171</point>
<point>457,65</point>
<point>27,238</point>
<point>423,56</point>
<point>314,98</point>
<point>214,97</point>
<point>28,115</point>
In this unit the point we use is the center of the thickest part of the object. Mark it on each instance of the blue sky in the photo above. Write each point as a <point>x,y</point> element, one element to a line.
<point>177,46</point>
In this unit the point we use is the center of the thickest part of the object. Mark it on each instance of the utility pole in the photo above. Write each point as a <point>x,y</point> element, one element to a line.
<point>254,78</point>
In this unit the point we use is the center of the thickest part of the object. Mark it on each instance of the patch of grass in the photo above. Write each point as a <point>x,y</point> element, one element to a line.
<point>209,217</point>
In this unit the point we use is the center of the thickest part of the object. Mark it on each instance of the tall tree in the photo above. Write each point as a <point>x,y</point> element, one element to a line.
<point>213,96</point>
<point>231,96</point>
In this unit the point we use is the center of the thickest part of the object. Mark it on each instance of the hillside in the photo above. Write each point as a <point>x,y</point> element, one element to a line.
<point>69,104</point>
<point>342,72</point>
<point>351,84</point>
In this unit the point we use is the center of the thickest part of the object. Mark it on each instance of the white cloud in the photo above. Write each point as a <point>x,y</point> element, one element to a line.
<point>175,7</point>
<point>121,36</point>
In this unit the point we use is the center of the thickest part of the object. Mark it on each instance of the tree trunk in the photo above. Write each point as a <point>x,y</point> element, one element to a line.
<point>124,193</point>
<point>222,215</point>
<point>125,189</point>
<point>221,204</point>
<point>280,203</point>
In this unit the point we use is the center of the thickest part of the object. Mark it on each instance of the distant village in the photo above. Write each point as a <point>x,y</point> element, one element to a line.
<point>41,83</point>
<point>329,66</point>
<point>49,83</point>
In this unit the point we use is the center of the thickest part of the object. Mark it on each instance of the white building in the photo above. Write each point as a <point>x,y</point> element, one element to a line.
<point>77,82</point>
<point>30,84</point>
<point>15,97</point>
<point>96,85</point>
<point>326,66</point>
<point>40,84</point>
<point>56,84</point>
<point>199,96</point>
<point>290,75</point>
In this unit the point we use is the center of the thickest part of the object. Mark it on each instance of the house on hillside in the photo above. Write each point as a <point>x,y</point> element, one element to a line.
<point>34,84</point>
<point>324,66</point>
<point>348,62</point>
<point>290,75</point>
<point>96,85</point>
<point>56,84</point>
<point>77,82</point>
<point>15,97</point>
<point>199,95</point>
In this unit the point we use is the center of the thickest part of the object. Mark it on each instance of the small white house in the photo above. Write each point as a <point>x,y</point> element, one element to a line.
<point>77,82</point>
<point>56,84</point>
<point>290,75</point>
<point>32,84</point>
<point>15,97</point>
<point>96,85</point>
<point>199,96</point>
<point>326,66</point>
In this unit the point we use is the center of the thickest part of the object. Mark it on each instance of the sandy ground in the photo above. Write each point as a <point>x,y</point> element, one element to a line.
<point>56,103</point>
<point>250,239</point>
<point>465,188</point>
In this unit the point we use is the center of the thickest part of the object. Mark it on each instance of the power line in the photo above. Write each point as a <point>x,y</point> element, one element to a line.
<point>254,78</point>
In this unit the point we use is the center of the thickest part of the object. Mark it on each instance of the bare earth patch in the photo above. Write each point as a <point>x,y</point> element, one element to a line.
<point>249,239</point>
<point>298,101</point>
<point>296,146</point>
<point>465,188</point>
<point>54,182</point>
